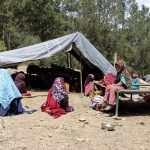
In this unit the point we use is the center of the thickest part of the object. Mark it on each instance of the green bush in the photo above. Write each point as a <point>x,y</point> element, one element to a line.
<point>2,46</point>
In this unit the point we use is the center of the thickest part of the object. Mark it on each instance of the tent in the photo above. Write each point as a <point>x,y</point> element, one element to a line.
<point>76,42</point>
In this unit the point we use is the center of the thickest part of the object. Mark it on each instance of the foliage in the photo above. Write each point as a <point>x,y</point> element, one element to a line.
<point>110,25</point>
<point>2,46</point>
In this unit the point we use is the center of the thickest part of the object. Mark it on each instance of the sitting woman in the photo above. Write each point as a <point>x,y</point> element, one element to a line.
<point>89,85</point>
<point>21,85</point>
<point>57,102</point>
<point>122,81</point>
<point>10,97</point>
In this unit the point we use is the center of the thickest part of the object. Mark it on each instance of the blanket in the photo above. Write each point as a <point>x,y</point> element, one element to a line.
<point>8,89</point>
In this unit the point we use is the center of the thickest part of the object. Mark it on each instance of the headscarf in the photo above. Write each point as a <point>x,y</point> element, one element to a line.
<point>58,90</point>
<point>89,78</point>
<point>121,64</point>
<point>124,72</point>
<point>109,78</point>
<point>57,102</point>
<point>20,82</point>
<point>8,90</point>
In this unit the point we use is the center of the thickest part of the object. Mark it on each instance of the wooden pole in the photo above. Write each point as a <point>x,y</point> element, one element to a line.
<point>115,58</point>
<point>67,60</point>
<point>70,63</point>
<point>81,75</point>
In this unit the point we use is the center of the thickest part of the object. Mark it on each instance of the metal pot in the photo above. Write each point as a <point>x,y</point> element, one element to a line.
<point>108,126</point>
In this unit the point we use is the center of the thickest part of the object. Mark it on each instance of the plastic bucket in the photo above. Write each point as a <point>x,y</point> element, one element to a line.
<point>67,86</point>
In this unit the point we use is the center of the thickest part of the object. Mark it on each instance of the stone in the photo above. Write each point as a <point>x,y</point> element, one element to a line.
<point>119,124</point>
<point>142,123</point>
<point>86,122</point>
<point>82,119</point>
<point>81,140</point>
<point>116,118</point>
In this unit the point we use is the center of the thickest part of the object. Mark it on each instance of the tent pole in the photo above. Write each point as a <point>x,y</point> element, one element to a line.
<point>67,60</point>
<point>115,58</point>
<point>81,75</point>
<point>70,62</point>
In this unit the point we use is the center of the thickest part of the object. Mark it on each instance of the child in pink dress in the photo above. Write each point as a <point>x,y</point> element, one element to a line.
<point>122,81</point>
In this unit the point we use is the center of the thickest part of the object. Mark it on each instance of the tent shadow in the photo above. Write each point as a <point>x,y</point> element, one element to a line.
<point>130,108</point>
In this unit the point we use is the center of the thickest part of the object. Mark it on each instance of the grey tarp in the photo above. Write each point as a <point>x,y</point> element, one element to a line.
<point>51,47</point>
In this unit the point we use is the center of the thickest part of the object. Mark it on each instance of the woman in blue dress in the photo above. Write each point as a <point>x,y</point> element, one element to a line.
<point>10,97</point>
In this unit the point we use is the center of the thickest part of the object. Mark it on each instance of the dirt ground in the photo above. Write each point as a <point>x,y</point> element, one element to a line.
<point>39,131</point>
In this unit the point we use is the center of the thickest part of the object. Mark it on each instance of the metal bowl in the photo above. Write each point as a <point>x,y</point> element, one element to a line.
<point>108,126</point>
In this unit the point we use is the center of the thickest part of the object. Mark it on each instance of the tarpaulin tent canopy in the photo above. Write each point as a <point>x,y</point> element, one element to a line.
<point>75,42</point>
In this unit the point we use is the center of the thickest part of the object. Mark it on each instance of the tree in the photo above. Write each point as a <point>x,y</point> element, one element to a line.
<point>2,46</point>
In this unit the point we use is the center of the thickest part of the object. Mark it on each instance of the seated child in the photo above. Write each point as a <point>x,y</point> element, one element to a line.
<point>97,100</point>
<point>135,80</point>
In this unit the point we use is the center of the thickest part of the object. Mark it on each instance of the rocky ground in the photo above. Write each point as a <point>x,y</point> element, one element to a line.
<point>78,130</point>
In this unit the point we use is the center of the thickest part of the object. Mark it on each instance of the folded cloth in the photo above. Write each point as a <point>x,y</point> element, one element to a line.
<point>30,111</point>
<point>8,89</point>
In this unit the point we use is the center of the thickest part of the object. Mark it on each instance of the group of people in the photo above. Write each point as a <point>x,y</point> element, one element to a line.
<point>111,83</point>
<point>12,90</point>
<point>57,102</point>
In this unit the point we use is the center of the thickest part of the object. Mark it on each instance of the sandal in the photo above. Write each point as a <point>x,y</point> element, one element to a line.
<point>109,107</point>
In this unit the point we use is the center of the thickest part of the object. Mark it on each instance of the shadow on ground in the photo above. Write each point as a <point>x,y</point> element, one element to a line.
<point>130,108</point>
